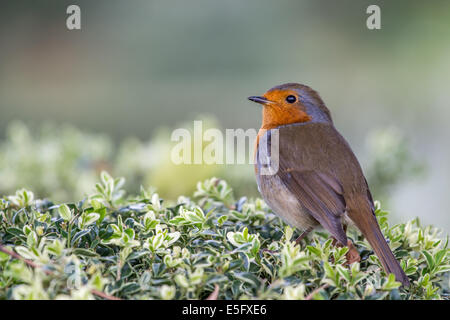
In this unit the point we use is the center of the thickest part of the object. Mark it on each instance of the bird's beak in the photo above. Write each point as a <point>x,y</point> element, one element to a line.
<point>259,99</point>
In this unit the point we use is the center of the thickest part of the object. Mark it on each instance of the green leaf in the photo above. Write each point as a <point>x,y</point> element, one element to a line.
<point>429,259</point>
<point>390,284</point>
<point>65,212</point>
<point>85,252</point>
<point>25,252</point>
<point>78,236</point>
<point>4,257</point>
<point>343,272</point>
<point>221,220</point>
<point>314,250</point>
<point>439,256</point>
<point>15,231</point>
<point>249,278</point>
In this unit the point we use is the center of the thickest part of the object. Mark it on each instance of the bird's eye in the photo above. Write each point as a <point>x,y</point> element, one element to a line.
<point>291,99</point>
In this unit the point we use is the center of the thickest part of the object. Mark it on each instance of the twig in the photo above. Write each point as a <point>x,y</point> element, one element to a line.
<point>303,235</point>
<point>19,257</point>
<point>215,294</point>
<point>48,272</point>
<point>104,295</point>
<point>119,266</point>
<point>312,294</point>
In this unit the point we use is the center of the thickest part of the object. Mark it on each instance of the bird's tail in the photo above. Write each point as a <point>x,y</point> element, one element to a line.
<point>370,229</point>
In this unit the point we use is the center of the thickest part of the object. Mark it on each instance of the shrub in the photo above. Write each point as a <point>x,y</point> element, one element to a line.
<point>110,245</point>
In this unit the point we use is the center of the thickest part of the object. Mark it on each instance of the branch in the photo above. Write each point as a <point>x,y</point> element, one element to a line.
<point>215,294</point>
<point>48,272</point>
<point>312,294</point>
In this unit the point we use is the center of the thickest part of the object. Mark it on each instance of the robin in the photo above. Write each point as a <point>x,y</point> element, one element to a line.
<point>317,179</point>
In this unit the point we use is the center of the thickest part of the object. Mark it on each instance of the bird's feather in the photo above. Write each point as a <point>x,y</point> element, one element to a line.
<point>321,198</point>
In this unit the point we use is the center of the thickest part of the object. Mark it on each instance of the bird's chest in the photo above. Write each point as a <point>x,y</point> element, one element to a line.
<point>282,202</point>
<point>276,194</point>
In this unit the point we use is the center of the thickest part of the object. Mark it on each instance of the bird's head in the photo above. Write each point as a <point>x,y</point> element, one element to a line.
<point>291,103</point>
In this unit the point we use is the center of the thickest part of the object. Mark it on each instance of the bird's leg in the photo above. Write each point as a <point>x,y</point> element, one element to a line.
<point>303,235</point>
<point>352,255</point>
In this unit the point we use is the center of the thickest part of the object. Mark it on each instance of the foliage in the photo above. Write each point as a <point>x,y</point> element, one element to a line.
<point>140,247</point>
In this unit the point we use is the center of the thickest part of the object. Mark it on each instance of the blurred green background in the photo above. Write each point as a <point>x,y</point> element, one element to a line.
<point>109,95</point>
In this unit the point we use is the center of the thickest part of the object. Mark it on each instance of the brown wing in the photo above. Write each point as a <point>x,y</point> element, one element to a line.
<point>320,195</point>
<point>369,197</point>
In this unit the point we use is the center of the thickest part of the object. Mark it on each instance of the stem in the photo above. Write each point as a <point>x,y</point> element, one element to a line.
<point>69,229</point>
<point>119,266</point>
<point>18,257</point>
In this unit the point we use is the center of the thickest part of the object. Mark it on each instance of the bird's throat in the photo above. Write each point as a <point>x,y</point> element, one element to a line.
<point>274,116</point>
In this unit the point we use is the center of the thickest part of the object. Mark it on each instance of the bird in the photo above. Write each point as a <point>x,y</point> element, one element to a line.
<point>308,174</point>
